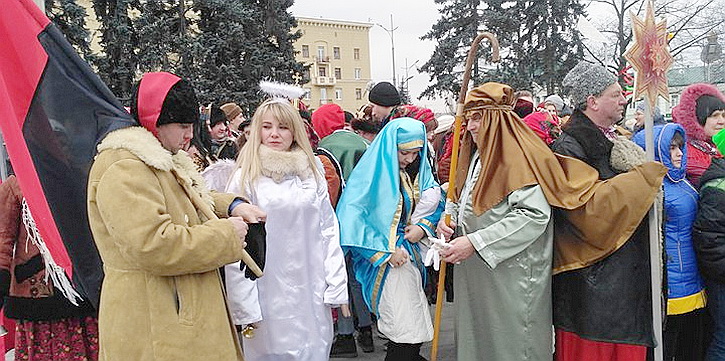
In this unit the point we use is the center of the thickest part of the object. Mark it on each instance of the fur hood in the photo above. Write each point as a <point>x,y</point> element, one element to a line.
<point>684,113</point>
<point>144,145</point>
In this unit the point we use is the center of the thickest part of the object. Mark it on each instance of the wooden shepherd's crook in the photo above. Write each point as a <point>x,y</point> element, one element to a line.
<point>454,164</point>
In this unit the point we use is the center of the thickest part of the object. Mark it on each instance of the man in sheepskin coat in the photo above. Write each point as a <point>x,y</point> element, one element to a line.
<point>602,309</point>
<point>154,223</point>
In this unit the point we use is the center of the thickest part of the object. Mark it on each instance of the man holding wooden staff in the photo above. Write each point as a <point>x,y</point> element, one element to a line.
<point>509,185</point>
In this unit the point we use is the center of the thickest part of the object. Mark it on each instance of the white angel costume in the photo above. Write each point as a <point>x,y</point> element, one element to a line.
<point>304,274</point>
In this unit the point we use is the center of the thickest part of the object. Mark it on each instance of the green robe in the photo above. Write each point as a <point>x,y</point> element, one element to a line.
<point>503,291</point>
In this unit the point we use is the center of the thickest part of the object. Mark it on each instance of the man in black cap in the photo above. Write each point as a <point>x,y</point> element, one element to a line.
<point>384,98</point>
<point>222,145</point>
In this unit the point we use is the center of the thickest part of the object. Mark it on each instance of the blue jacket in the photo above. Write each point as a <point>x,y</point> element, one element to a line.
<point>683,276</point>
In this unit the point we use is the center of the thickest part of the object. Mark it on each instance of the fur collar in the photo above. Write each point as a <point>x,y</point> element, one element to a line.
<point>277,164</point>
<point>144,145</point>
<point>595,144</point>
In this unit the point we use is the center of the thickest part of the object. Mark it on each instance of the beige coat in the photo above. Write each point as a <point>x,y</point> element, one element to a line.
<point>162,297</point>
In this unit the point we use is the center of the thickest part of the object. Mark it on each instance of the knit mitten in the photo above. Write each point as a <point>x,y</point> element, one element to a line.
<point>626,155</point>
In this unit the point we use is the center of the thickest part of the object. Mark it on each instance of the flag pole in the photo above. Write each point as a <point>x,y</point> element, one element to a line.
<point>452,174</point>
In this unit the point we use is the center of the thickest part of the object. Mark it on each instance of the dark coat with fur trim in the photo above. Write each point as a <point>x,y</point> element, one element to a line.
<point>608,301</point>
<point>23,287</point>
<point>699,147</point>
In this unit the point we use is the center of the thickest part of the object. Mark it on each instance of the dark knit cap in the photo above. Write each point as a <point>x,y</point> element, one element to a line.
<point>384,94</point>
<point>217,116</point>
<point>705,106</point>
<point>365,125</point>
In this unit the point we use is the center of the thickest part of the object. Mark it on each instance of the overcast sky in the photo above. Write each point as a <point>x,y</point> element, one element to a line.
<point>412,18</point>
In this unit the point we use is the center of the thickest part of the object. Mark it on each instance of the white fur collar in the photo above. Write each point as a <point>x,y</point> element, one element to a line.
<point>144,145</point>
<point>277,164</point>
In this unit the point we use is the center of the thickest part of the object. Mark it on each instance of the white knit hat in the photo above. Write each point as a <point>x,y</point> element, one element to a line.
<point>444,123</point>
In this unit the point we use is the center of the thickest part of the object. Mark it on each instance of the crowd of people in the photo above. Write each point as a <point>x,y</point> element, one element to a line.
<point>299,234</point>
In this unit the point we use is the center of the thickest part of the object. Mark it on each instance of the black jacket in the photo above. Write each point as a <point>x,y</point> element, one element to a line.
<point>709,228</point>
<point>608,301</point>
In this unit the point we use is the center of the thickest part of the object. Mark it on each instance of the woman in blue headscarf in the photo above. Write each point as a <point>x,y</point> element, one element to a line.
<point>391,202</point>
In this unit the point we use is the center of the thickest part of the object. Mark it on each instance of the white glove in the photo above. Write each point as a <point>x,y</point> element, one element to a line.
<point>433,256</point>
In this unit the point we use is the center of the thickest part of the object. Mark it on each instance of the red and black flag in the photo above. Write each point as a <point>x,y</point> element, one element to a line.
<point>53,111</point>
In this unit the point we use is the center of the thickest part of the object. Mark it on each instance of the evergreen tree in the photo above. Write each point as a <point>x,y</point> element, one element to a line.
<point>235,45</point>
<point>217,67</point>
<point>117,64</point>
<point>546,46</point>
<point>270,52</point>
<point>165,38</point>
<point>70,18</point>
<point>454,32</point>
<point>223,47</point>
<point>539,43</point>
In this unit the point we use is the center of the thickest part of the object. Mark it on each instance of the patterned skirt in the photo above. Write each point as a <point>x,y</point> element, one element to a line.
<point>69,339</point>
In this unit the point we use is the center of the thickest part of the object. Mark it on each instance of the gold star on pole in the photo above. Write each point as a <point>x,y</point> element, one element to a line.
<point>649,56</point>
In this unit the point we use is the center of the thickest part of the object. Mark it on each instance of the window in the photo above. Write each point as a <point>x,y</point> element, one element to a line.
<point>358,94</point>
<point>305,51</point>
<point>358,71</point>
<point>307,94</point>
<point>321,52</point>
<point>323,96</point>
<point>674,100</point>
<point>338,94</point>
<point>338,73</point>
<point>356,54</point>
<point>336,52</point>
<point>322,71</point>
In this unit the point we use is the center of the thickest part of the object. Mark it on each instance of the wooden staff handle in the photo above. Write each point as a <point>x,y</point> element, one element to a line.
<point>452,174</point>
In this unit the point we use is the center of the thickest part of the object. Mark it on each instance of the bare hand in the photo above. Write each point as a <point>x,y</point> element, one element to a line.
<point>241,227</point>
<point>345,309</point>
<point>445,230</point>
<point>249,212</point>
<point>414,233</point>
<point>399,257</point>
<point>461,248</point>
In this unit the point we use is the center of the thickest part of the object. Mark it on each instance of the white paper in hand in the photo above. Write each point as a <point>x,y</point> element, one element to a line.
<point>433,256</point>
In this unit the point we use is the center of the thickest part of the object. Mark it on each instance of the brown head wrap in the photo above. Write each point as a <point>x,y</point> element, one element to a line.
<point>513,157</point>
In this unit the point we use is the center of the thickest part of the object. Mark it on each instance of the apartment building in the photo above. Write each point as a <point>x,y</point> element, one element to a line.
<point>338,53</point>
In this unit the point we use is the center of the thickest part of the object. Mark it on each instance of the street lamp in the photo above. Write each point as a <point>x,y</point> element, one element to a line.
<point>404,82</point>
<point>711,52</point>
<point>392,41</point>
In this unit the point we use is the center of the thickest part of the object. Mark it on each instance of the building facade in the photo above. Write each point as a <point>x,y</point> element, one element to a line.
<point>338,53</point>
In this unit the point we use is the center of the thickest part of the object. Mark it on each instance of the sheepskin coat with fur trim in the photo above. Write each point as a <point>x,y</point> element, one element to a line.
<point>699,147</point>
<point>162,296</point>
